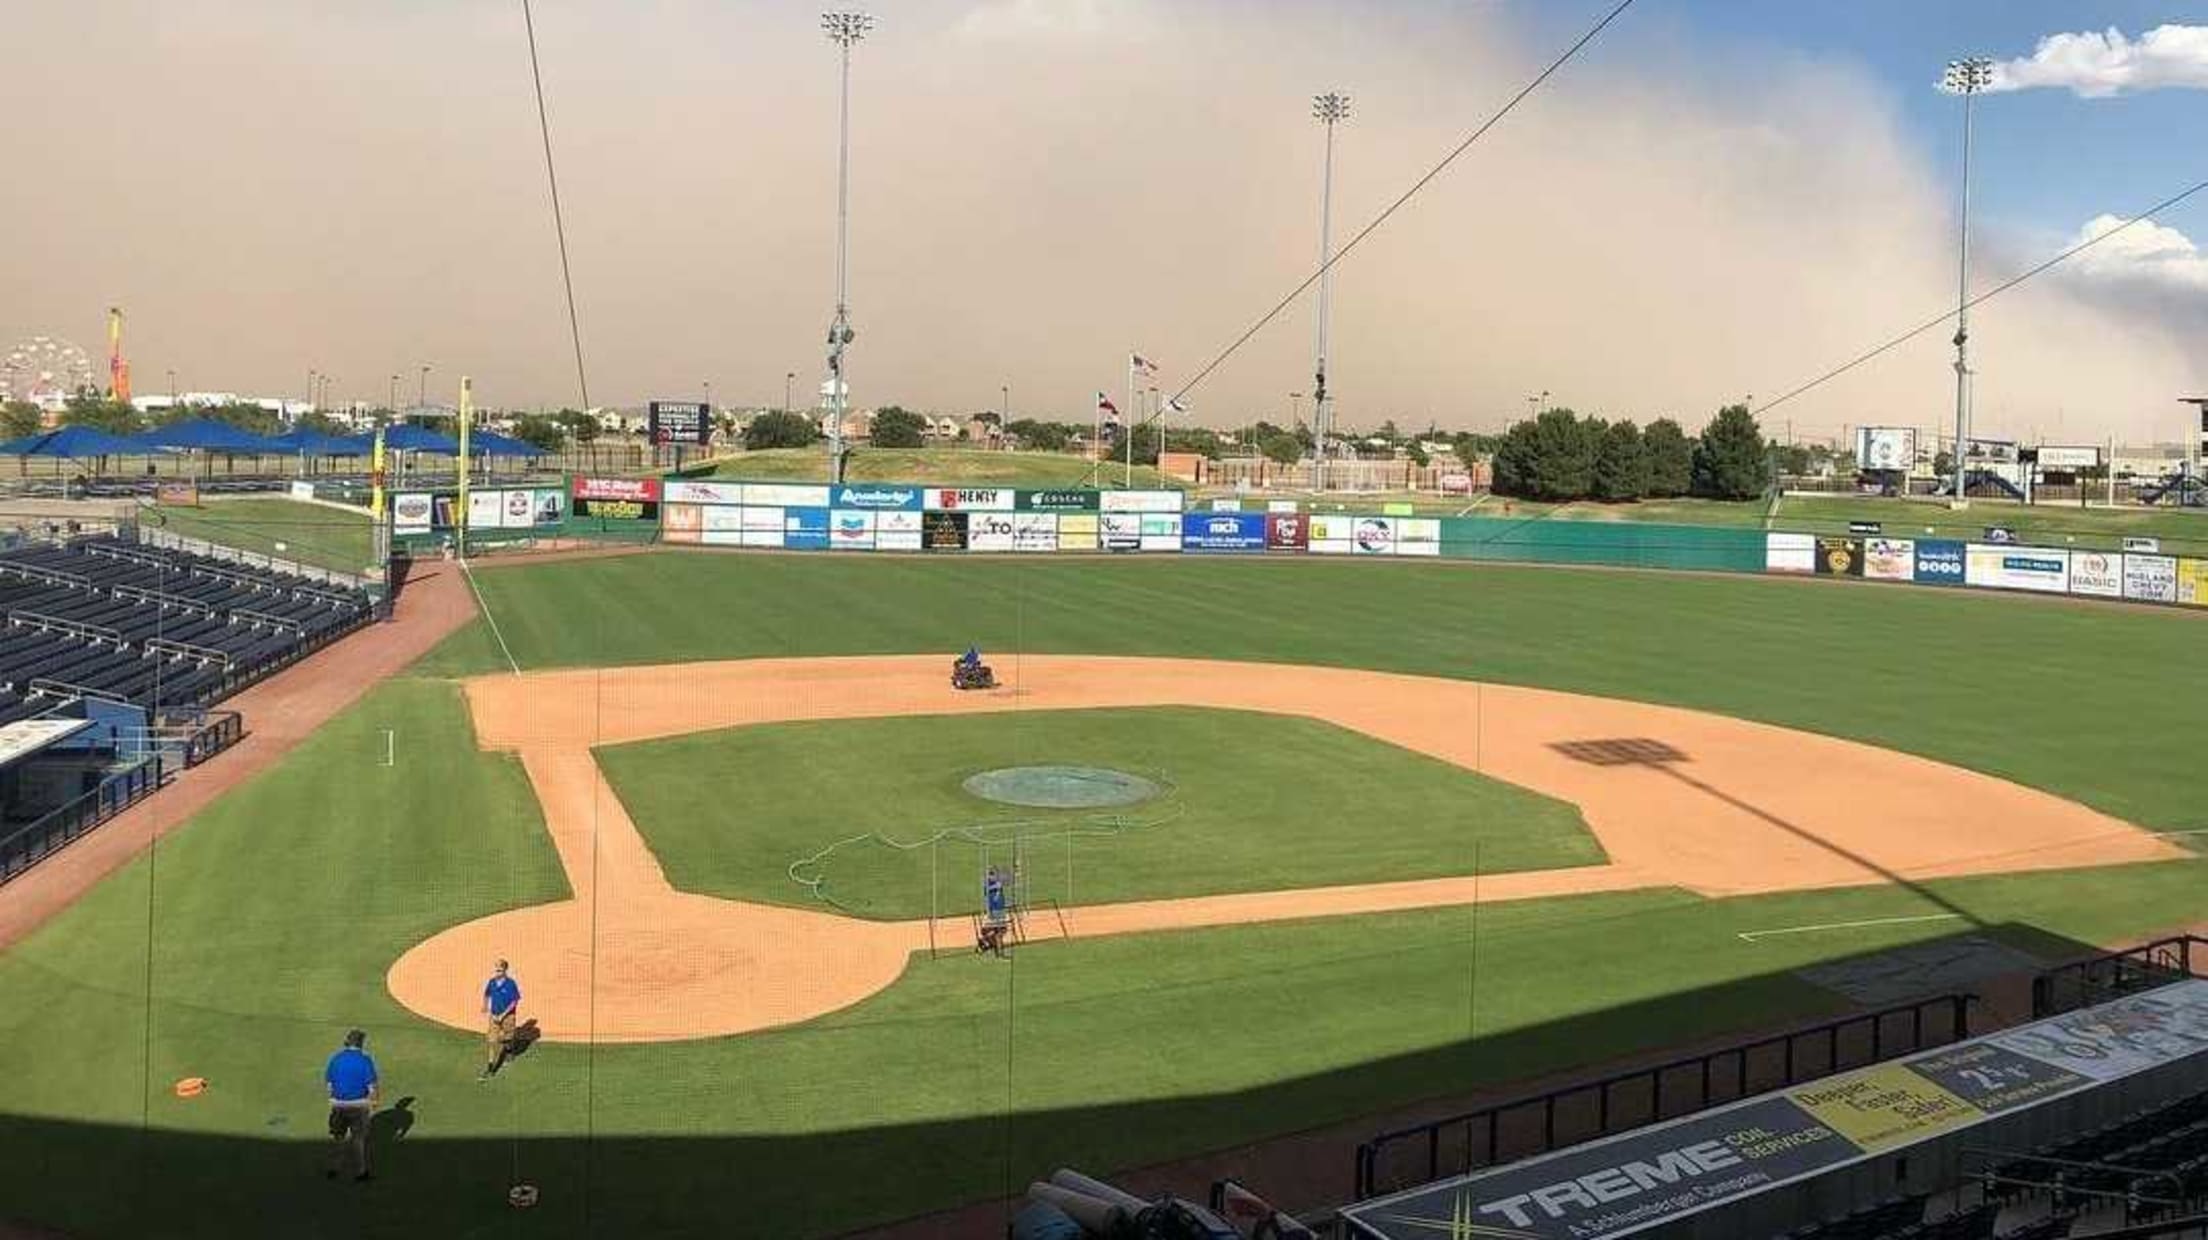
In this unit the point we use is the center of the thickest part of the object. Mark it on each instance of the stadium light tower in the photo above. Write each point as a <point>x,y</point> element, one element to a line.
<point>843,29</point>
<point>1964,77</point>
<point>1329,109</point>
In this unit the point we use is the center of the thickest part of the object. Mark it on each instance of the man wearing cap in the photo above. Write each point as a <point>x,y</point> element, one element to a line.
<point>354,1090</point>
<point>501,1007</point>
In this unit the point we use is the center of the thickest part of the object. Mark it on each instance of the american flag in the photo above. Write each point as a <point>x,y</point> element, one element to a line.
<point>1138,362</point>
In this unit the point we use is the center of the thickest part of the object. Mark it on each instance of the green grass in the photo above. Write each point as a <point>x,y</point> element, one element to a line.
<point>2099,704</point>
<point>937,466</point>
<point>1255,803</point>
<point>312,534</point>
<point>2181,532</point>
<point>275,913</point>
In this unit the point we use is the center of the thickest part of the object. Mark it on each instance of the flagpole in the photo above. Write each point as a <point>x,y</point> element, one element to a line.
<point>1127,426</point>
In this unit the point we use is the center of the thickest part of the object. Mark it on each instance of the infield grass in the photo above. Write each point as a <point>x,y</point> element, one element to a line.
<point>1253,803</point>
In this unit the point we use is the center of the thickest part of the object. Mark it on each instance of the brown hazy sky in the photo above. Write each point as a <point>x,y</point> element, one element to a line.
<point>356,186</point>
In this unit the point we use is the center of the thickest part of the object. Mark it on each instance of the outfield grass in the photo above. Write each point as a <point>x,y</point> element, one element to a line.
<point>2097,703</point>
<point>312,534</point>
<point>938,466</point>
<point>276,912</point>
<point>2181,532</point>
<point>1254,803</point>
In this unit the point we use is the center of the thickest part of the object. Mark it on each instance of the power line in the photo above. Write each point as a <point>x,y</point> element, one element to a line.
<point>559,221</point>
<point>1986,296</point>
<point>1407,195</point>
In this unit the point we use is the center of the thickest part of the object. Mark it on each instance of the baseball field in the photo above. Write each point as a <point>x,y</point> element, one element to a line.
<point>1407,832</point>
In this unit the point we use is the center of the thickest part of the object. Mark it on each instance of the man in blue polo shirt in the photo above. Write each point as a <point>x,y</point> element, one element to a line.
<point>501,1007</point>
<point>351,1077</point>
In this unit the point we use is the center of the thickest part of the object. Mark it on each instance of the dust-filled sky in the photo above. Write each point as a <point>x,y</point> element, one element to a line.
<point>357,186</point>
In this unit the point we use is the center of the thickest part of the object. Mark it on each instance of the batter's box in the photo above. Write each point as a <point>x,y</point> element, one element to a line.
<point>1626,751</point>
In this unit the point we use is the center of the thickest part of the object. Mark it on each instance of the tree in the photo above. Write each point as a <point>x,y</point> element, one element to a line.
<point>1417,452</point>
<point>1792,460</point>
<point>1281,448</point>
<point>250,418</point>
<point>780,430</point>
<point>1670,458</point>
<point>1943,464</point>
<point>1472,447</point>
<point>20,419</point>
<point>1731,460</point>
<point>1621,463</point>
<point>534,428</point>
<point>898,428</point>
<point>582,426</point>
<point>1041,436</point>
<point>113,417</point>
<point>1551,457</point>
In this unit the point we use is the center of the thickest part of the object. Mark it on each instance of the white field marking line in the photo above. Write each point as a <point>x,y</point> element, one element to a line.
<point>485,608</point>
<point>1474,504</point>
<point>2171,835</point>
<point>1750,936</point>
<point>390,747</point>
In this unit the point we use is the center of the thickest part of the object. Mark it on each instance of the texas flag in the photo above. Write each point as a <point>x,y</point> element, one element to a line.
<point>1104,405</point>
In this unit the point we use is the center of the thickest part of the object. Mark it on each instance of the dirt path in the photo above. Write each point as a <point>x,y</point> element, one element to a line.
<point>279,713</point>
<point>1677,798</point>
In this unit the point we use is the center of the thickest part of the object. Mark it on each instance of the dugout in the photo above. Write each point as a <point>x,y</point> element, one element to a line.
<point>69,769</point>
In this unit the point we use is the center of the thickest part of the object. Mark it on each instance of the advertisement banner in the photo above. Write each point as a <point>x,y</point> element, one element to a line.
<point>761,519</point>
<point>1940,562</point>
<point>1882,1107</point>
<point>1161,531</point>
<point>1286,531</point>
<point>176,494</point>
<point>614,509</point>
<point>679,491</point>
<point>2043,569</point>
<point>1839,557</point>
<point>1223,531</point>
<point>682,523</point>
<point>983,499</point>
<point>2097,573</point>
<point>1790,553</point>
<point>550,506</point>
<point>1035,531</point>
<point>943,531</point>
<point>2150,578</point>
<point>1418,536</point>
<point>485,509</point>
<point>805,529</point>
<point>1141,501</point>
<point>1077,531</point>
<point>898,531</point>
<point>636,490</point>
<point>517,510</point>
<point>2069,458</point>
<point>1889,559</point>
<point>2119,1038</point>
<point>1888,448</point>
<point>1332,533</point>
<point>783,495</point>
<point>719,517</point>
<point>1374,536</point>
<point>2192,582</point>
<point>850,531</point>
<point>679,421</point>
<point>989,531</point>
<point>302,491</point>
<point>410,515</point>
<point>1282,505</point>
<point>724,538</point>
<point>878,498</point>
<point>1058,501</point>
<point>1120,531</point>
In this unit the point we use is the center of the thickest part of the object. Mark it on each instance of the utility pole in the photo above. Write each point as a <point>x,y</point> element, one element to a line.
<point>1964,77</point>
<point>1329,109</point>
<point>843,29</point>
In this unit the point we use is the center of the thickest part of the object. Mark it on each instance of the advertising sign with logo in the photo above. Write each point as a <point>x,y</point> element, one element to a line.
<point>1881,1107</point>
<point>2192,582</point>
<point>682,523</point>
<point>850,531</point>
<point>1035,531</point>
<point>2098,573</point>
<point>783,495</point>
<point>1993,1078</point>
<point>1940,562</point>
<point>943,531</point>
<point>1223,531</point>
<point>2069,458</point>
<point>1398,509</point>
<point>2001,535</point>
<point>679,491</point>
<point>2146,545</point>
<point>1119,531</point>
<point>1226,505</point>
<point>2119,1038</point>
<point>1282,505</point>
<point>2044,569</point>
<point>805,529</point>
<point>1058,501</point>
<point>485,508</point>
<point>517,509</point>
<point>762,527</point>
<point>1418,536</point>
<point>1141,501</point>
<point>1888,448</point>
<point>2150,578</point>
<point>878,499</point>
<point>1161,531</point>
<point>1286,531</point>
<point>1332,533</point>
<point>1456,484</point>
<point>617,499</point>
<point>303,491</point>
<point>1078,531</point>
<point>1790,553</point>
<point>1839,557</point>
<point>1990,451</point>
<point>551,507</point>
<point>1374,536</point>
<point>1865,528</point>
<point>986,499</point>
<point>989,531</point>
<point>410,512</point>
<point>898,531</point>
<point>679,421</point>
<point>1889,559</point>
<point>717,517</point>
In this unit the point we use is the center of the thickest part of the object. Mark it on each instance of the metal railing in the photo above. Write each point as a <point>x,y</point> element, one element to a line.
<point>62,624</point>
<point>1638,1097</point>
<point>266,618</point>
<point>41,686</point>
<point>205,654</point>
<point>154,537</point>
<point>2112,975</point>
<point>45,576</point>
<point>162,598</point>
<point>27,845</point>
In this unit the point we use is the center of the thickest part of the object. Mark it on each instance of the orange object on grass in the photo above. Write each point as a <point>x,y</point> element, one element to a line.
<point>191,1087</point>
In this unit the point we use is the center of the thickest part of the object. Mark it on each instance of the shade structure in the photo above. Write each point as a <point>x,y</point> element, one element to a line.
<point>206,436</point>
<point>491,443</point>
<point>304,442</point>
<point>416,439</point>
<point>75,443</point>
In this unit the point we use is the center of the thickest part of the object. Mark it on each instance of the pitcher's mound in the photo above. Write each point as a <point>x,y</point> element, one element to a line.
<point>1060,787</point>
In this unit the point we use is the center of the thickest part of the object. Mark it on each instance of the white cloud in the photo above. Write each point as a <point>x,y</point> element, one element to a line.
<point>2147,251</point>
<point>2099,64</point>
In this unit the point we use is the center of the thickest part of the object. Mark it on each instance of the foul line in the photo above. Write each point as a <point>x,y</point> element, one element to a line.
<point>1750,936</point>
<point>485,607</point>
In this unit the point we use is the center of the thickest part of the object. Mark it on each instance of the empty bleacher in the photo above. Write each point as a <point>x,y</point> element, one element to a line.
<point>162,629</point>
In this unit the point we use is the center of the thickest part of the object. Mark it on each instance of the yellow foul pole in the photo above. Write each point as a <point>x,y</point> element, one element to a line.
<point>467,420</point>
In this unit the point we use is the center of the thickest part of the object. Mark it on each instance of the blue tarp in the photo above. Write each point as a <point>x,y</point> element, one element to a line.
<point>491,443</point>
<point>206,436</point>
<point>75,443</point>
<point>315,443</point>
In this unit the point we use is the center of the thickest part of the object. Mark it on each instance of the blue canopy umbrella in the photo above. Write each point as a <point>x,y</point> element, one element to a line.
<point>303,442</point>
<point>75,443</point>
<point>206,436</point>
<point>405,438</point>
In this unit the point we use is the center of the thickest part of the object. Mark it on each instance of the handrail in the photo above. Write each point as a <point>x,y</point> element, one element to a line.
<point>268,618</point>
<point>117,551</point>
<point>76,628</point>
<point>41,686</point>
<point>50,576</point>
<point>2096,979</point>
<point>207,654</point>
<point>140,594</point>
